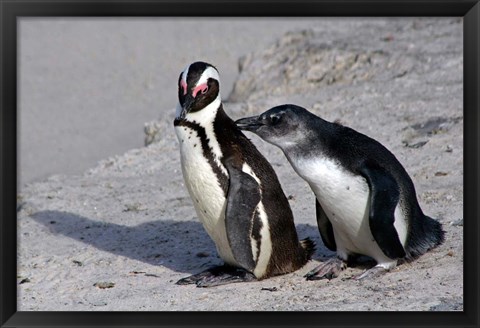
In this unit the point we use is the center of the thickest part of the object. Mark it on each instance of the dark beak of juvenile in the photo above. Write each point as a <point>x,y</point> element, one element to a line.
<point>249,123</point>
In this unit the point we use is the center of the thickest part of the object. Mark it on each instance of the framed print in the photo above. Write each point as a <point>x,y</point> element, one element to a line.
<point>114,173</point>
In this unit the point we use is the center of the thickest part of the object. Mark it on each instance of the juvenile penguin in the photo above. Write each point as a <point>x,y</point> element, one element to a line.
<point>366,202</point>
<point>235,191</point>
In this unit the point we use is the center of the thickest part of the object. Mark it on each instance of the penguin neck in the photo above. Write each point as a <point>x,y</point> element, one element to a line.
<point>206,115</point>
<point>223,120</point>
<point>203,123</point>
<point>315,137</point>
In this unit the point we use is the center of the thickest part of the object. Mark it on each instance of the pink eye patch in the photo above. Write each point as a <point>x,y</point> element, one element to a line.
<point>183,85</point>
<point>203,88</point>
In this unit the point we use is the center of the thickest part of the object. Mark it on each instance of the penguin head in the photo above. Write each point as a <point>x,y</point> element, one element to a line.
<point>198,87</point>
<point>280,125</point>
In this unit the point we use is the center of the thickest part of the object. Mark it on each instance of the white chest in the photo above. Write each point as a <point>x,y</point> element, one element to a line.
<point>204,188</point>
<point>345,198</point>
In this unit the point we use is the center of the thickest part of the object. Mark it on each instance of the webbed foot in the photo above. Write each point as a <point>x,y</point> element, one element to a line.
<point>328,270</point>
<point>374,272</point>
<point>217,276</point>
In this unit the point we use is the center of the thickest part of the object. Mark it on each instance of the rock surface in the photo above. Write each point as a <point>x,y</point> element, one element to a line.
<point>120,235</point>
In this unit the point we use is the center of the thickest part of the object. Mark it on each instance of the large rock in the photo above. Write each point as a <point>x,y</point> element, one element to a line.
<point>311,59</point>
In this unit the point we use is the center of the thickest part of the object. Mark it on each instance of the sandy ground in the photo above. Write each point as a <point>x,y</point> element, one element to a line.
<point>118,236</point>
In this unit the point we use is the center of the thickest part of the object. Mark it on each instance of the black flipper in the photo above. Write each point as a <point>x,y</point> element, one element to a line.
<point>242,199</point>
<point>384,197</point>
<point>325,227</point>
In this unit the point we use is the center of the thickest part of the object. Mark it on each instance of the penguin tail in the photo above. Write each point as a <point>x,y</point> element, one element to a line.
<point>308,247</point>
<point>431,236</point>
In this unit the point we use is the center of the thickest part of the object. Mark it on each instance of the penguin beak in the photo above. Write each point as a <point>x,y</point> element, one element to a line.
<point>187,105</point>
<point>249,123</point>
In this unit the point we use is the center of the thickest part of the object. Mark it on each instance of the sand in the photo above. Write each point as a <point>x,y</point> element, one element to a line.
<point>118,235</point>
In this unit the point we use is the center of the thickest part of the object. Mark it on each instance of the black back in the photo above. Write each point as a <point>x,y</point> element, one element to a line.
<point>237,149</point>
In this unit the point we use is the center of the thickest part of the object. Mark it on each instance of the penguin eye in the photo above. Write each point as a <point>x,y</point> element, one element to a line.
<point>274,120</point>
<point>203,88</point>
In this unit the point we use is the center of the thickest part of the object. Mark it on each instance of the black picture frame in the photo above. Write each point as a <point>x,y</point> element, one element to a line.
<point>11,10</point>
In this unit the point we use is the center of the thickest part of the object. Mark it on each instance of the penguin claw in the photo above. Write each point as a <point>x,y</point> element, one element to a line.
<point>374,272</point>
<point>190,280</point>
<point>195,278</point>
<point>327,270</point>
<point>218,276</point>
<point>186,281</point>
<point>227,277</point>
<point>224,280</point>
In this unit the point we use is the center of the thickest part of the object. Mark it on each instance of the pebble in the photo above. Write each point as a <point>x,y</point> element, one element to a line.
<point>104,285</point>
<point>270,289</point>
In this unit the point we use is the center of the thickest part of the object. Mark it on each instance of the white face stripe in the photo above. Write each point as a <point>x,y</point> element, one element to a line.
<point>210,72</point>
<point>184,74</point>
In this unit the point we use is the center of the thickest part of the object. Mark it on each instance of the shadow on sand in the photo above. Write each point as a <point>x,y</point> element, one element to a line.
<point>182,246</point>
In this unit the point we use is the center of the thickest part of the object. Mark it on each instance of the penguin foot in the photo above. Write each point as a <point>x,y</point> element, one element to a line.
<point>217,276</point>
<point>223,278</point>
<point>327,270</point>
<point>374,272</point>
<point>193,279</point>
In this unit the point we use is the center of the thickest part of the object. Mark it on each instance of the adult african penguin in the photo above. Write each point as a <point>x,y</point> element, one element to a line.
<point>366,202</point>
<point>235,191</point>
